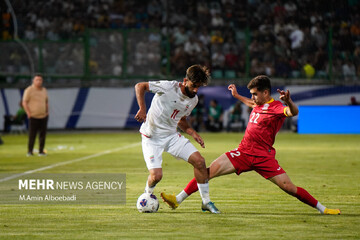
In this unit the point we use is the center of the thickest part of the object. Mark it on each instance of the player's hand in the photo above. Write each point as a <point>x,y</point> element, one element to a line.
<point>198,139</point>
<point>233,90</point>
<point>285,96</point>
<point>140,116</point>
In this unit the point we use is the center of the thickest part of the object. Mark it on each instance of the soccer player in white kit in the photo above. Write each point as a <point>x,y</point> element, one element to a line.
<point>172,103</point>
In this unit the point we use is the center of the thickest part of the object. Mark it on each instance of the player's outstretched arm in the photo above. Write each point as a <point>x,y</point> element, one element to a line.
<point>247,101</point>
<point>292,109</point>
<point>140,90</point>
<point>184,125</point>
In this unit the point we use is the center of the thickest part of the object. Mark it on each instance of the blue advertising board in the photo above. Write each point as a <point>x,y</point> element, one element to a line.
<point>329,120</point>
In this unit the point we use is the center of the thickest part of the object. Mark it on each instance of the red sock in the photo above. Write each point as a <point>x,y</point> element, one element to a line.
<point>305,197</point>
<point>191,187</point>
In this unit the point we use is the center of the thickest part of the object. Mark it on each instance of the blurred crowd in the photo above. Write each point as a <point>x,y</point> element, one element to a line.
<point>287,39</point>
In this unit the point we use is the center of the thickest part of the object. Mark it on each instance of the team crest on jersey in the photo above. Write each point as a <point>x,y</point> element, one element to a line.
<point>266,107</point>
<point>187,106</point>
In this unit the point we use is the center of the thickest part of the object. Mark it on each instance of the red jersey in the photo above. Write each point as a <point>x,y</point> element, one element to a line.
<point>264,123</point>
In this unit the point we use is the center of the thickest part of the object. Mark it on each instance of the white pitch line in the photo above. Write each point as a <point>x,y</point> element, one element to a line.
<point>69,162</point>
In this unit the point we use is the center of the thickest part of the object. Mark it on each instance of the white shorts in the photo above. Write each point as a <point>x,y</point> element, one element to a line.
<point>175,144</point>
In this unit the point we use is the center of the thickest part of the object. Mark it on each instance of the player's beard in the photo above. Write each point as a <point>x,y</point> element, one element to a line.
<point>188,93</point>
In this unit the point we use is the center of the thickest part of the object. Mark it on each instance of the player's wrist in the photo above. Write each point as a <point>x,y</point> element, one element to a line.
<point>190,131</point>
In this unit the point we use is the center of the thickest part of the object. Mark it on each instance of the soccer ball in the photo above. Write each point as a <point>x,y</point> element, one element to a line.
<point>147,203</point>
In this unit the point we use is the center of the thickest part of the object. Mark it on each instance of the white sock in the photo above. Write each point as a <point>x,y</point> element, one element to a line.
<point>181,196</point>
<point>204,192</point>
<point>149,189</point>
<point>320,207</point>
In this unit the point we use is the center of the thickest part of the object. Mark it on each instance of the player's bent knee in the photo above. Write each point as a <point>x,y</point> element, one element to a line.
<point>199,163</point>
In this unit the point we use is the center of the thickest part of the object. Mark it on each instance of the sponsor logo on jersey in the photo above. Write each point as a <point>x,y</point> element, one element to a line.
<point>266,107</point>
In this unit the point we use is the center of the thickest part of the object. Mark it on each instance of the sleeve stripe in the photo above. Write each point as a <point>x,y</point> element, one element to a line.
<point>285,111</point>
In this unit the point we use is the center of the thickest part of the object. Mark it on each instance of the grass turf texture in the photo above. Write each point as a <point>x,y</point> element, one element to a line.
<point>252,208</point>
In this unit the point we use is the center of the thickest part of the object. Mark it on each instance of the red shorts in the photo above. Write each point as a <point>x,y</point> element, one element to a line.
<point>266,166</point>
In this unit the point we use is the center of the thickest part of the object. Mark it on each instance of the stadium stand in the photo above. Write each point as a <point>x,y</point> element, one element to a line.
<point>236,39</point>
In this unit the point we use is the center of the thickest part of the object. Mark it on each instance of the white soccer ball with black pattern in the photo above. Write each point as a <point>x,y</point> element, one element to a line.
<point>147,203</point>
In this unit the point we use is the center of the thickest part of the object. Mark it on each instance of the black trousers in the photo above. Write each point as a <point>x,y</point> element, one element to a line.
<point>7,123</point>
<point>37,125</point>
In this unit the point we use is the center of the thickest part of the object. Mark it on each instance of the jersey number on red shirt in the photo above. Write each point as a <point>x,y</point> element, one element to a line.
<point>254,117</point>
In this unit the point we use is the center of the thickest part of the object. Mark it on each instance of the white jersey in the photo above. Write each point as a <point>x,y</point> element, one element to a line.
<point>168,106</point>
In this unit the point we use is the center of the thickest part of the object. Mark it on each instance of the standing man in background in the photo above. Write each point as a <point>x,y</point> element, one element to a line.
<point>35,102</point>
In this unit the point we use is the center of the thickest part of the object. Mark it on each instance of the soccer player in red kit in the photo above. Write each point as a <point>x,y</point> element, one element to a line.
<point>256,152</point>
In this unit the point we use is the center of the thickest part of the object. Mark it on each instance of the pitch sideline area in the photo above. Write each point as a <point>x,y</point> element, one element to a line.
<point>252,208</point>
<point>69,162</point>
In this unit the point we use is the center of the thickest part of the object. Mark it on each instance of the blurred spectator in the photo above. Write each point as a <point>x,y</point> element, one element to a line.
<point>179,61</point>
<point>353,101</point>
<point>290,8</point>
<point>355,28</point>
<point>349,71</point>
<point>215,117</point>
<point>230,46</point>
<point>17,119</point>
<point>346,43</point>
<point>282,68</point>
<point>203,12</point>
<point>231,59</point>
<point>197,115</point>
<point>279,9</point>
<point>205,37</point>
<point>356,55</point>
<point>309,70</point>
<point>218,59</point>
<point>180,36</point>
<point>264,9</point>
<point>256,68</point>
<point>279,26</point>
<point>217,21</point>
<point>291,26</point>
<point>320,59</point>
<point>294,30</point>
<point>192,47</point>
<point>29,33</point>
<point>255,49</point>
<point>129,19</point>
<point>318,35</point>
<point>154,9</point>
<point>296,36</point>
<point>217,37</point>
<point>235,120</point>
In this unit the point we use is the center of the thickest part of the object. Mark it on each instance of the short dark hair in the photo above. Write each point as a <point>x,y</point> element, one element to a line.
<point>261,82</point>
<point>198,74</point>
<point>38,75</point>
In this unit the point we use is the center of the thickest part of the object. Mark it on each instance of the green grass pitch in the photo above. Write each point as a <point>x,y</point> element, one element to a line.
<point>252,207</point>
